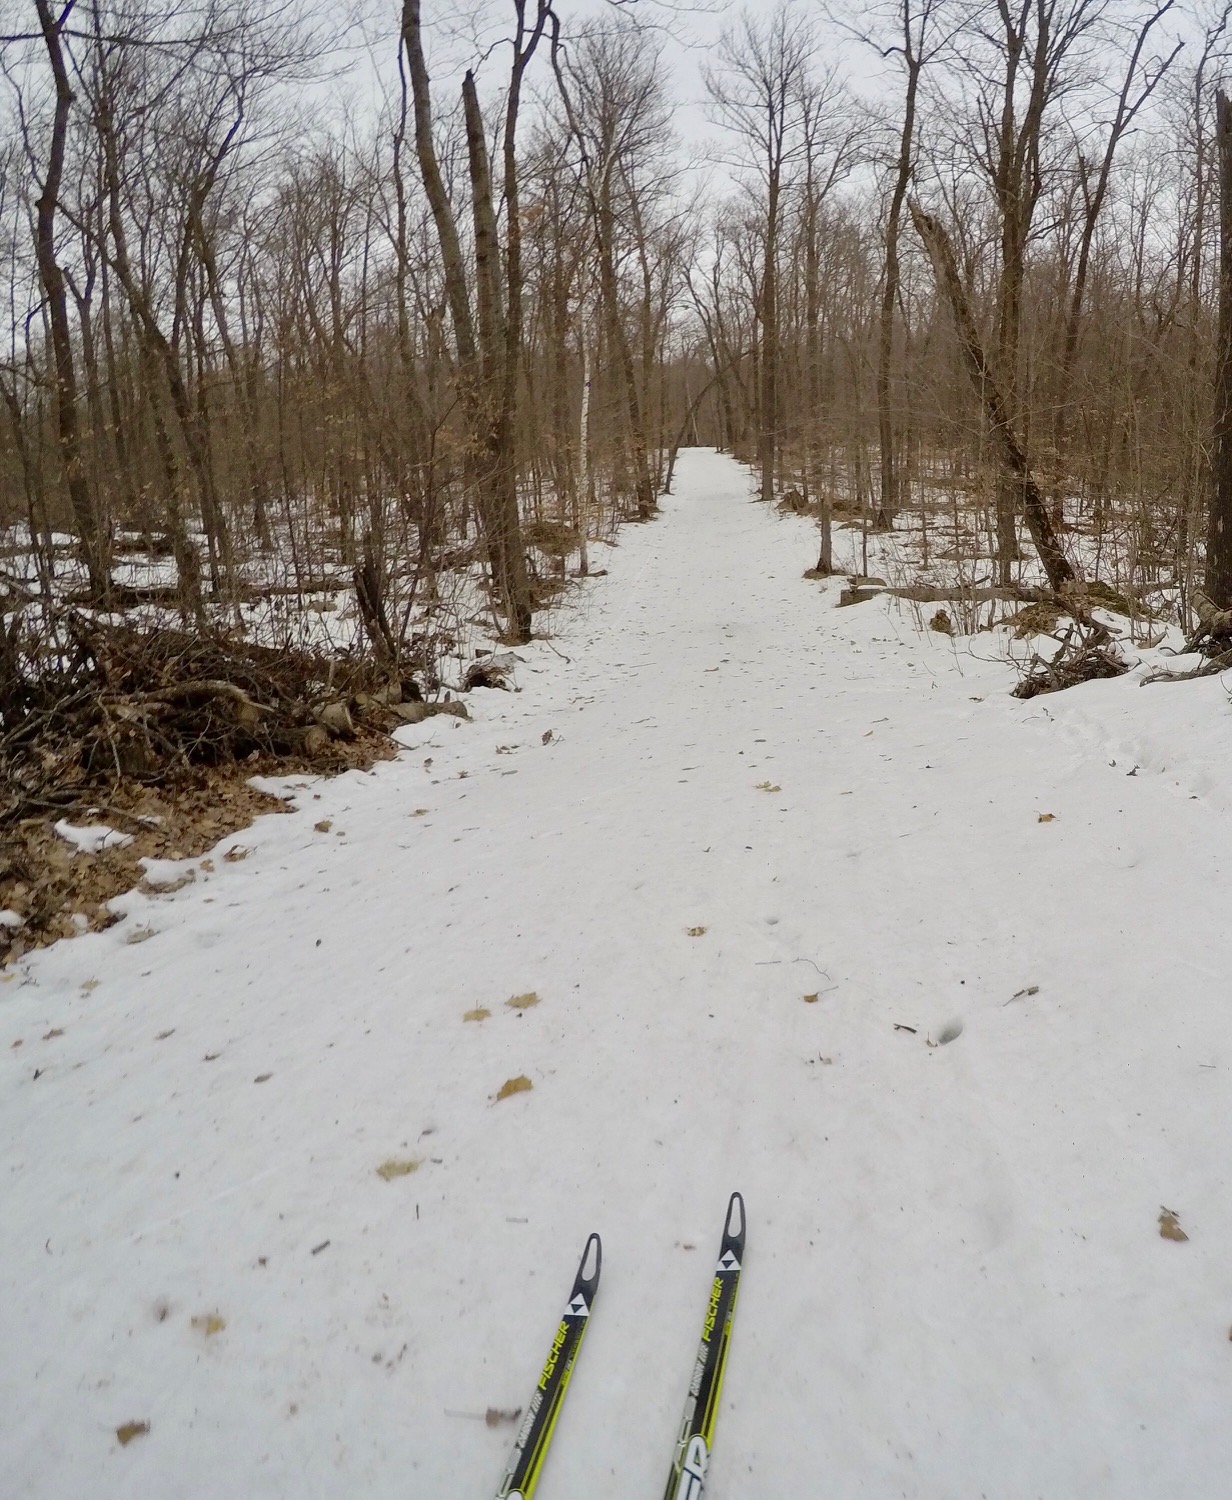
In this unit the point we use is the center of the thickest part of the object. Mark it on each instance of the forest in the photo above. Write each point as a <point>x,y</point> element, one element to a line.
<point>575,583</point>
<point>258,349</point>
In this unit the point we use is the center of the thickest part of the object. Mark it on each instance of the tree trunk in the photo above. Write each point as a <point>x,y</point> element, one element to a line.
<point>768,415</point>
<point>1219,533</point>
<point>888,500</point>
<point>51,277</point>
<point>1017,476</point>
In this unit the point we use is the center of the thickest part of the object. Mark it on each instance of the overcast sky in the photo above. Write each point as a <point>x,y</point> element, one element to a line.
<point>459,32</point>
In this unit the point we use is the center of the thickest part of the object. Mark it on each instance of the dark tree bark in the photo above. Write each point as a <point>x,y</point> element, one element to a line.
<point>51,277</point>
<point>1018,476</point>
<point>492,462</point>
<point>1219,533</point>
<point>913,61</point>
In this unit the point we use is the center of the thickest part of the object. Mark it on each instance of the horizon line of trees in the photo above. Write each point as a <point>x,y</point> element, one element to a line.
<point>474,328</point>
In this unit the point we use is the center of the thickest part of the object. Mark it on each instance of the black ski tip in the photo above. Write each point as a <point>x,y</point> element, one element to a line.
<point>733,1234</point>
<point>587,1281</point>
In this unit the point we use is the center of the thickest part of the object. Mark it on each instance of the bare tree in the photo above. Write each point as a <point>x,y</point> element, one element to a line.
<point>1219,536</point>
<point>758,89</point>
<point>89,533</point>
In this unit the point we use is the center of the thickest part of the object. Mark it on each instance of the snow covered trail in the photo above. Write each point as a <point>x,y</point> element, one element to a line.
<point>955,1284</point>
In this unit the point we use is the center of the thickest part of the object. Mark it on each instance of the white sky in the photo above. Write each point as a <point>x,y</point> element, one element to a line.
<point>459,32</point>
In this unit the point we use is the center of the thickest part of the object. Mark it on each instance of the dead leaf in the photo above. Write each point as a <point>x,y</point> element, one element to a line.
<point>479,1014</point>
<point>208,866</point>
<point>811,999</point>
<point>163,1035</point>
<point>696,931</point>
<point>1047,817</point>
<point>519,1085</point>
<point>236,853</point>
<point>90,984</point>
<point>522,1002</point>
<point>547,737</point>
<point>1169,1227</point>
<point>139,935</point>
<point>324,825</point>
<point>768,786</point>
<point>54,1032</point>
<point>420,812</point>
<point>209,1324</point>
<point>130,1430</point>
<point>399,1167</point>
<point>262,1078</point>
<point>495,1415</point>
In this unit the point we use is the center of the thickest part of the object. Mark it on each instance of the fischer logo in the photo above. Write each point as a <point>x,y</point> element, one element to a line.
<point>693,1475</point>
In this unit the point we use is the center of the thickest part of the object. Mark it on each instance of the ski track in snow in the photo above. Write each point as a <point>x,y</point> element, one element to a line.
<point>955,1286</point>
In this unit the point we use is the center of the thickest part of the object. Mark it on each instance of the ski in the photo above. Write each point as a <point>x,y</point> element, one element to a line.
<point>531,1448</point>
<point>688,1478</point>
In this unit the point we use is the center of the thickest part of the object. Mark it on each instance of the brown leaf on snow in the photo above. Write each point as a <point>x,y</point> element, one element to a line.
<point>768,786</point>
<point>399,1167</point>
<point>811,999</point>
<point>1169,1227</point>
<point>522,1002</point>
<point>89,984</point>
<point>519,1085</point>
<point>478,1014</point>
<point>324,825</point>
<point>236,853</point>
<point>208,1323</point>
<point>54,1032</point>
<point>1047,817</point>
<point>696,931</point>
<point>495,1415</point>
<point>127,1431</point>
<point>262,1078</point>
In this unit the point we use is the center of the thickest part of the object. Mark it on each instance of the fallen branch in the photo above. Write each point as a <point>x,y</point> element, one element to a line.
<point>1039,523</point>
<point>1211,667</point>
<point>1081,657</point>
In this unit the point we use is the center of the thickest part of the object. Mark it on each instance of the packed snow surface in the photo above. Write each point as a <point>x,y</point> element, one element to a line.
<point>714,798</point>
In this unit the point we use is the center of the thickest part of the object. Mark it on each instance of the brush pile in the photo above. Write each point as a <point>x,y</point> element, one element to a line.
<point>86,705</point>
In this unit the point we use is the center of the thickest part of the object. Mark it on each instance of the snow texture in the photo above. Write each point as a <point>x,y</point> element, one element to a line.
<point>955,1283</point>
<point>91,838</point>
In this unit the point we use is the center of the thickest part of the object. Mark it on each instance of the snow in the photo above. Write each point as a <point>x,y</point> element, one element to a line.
<point>91,838</point>
<point>955,1283</point>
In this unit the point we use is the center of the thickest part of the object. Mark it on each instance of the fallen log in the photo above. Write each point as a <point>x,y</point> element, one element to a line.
<point>987,388</point>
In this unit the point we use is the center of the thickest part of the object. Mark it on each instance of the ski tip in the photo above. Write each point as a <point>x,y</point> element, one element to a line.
<point>734,1226</point>
<point>592,1264</point>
